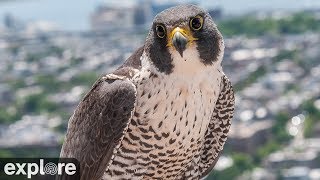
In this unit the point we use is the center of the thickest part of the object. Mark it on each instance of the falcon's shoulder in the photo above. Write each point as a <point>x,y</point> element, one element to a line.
<point>131,65</point>
<point>98,124</point>
<point>217,132</point>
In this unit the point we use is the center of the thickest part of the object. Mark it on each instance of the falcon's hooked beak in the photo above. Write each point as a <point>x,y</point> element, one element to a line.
<point>180,38</point>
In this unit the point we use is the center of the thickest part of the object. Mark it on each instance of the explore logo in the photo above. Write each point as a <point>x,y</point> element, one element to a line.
<point>46,168</point>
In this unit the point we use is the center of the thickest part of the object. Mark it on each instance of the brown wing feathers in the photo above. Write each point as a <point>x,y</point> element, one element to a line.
<point>218,129</point>
<point>98,124</point>
<point>100,120</point>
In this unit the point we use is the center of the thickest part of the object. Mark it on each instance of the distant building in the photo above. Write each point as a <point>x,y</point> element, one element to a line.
<point>139,16</point>
<point>105,18</point>
<point>6,95</point>
<point>143,12</point>
<point>256,134</point>
<point>12,23</point>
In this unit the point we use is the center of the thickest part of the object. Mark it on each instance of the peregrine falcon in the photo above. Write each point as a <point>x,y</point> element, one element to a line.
<point>165,113</point>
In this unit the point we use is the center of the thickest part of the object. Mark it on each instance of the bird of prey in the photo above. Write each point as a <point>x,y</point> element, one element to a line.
<point>165,113</point>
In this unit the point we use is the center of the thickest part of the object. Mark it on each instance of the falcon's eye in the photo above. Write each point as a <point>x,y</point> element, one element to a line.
<point>161,31</point>
<point>196,22</point>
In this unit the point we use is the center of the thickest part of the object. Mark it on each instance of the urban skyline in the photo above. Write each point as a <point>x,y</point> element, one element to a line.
<point>74,15</point>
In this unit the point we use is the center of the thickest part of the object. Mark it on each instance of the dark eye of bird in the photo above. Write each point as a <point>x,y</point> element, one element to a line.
<point>196,23</point>
<point>161,31</point>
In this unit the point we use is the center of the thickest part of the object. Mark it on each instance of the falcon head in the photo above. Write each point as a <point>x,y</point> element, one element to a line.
<point>184,39</point>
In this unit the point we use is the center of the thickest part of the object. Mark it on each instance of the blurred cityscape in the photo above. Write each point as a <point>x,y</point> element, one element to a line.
<point>272,58</point>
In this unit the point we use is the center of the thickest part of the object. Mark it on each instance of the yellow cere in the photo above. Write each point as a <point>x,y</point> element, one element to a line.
<point>185,32</point>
